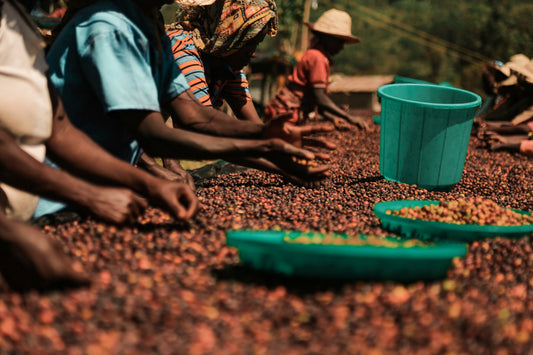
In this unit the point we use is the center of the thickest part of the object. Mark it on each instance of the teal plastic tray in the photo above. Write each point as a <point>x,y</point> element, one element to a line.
<point>429,230</point>
<point>267,251</point>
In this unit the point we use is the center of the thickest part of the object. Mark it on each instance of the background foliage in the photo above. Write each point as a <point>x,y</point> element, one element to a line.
<point>433,40</point>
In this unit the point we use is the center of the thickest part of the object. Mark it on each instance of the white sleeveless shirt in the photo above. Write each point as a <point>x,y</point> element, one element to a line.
<point>25,107</point>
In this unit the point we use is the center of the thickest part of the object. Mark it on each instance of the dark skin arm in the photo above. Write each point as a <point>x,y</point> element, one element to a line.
<point>331,111</point>
<point>31,260</point>
<point>246,112</point>
<point>159,140</point>
<point>509,143</point>
<point>76,152</point>
<point>189,114</point>
<point>22,171</point>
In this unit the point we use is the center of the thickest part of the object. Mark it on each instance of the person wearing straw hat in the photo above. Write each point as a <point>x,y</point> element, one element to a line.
<point>516,132</point>
<point>306,89</point>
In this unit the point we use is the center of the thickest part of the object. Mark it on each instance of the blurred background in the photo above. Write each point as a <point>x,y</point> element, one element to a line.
<point>431,40</point>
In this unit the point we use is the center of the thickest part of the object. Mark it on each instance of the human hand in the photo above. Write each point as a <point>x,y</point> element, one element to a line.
<point>175,172</point>
<point>506,128</point>
<point>358,121</point>
<point>346,123</point>
<point>499,142</point>
<point>177,198</point>
<point>171,170</point>
<point>31,260</point>
<point>116,205</point>
<point>299,136</point>
<point>295,163</point>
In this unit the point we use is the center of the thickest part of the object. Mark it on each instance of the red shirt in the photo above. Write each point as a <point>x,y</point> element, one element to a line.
<point>312,71</point>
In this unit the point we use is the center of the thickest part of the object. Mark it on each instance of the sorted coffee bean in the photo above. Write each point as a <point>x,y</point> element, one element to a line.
<point>465,211</point>
<point>360,240</point>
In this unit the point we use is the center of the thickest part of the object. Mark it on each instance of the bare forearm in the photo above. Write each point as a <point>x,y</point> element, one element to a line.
<point>159,140</point>
<point>181,144</point>
<point>75,152</point>
<point>22,171</point>
<point>325,103</point>
<point>258,163</point>
<point>247,112</point>
<point>190,114</point>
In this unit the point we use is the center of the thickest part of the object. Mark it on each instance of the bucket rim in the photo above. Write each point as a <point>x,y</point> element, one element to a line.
<point>474,103</point>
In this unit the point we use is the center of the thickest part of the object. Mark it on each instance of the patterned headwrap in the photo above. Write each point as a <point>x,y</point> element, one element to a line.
<point>226,26</point>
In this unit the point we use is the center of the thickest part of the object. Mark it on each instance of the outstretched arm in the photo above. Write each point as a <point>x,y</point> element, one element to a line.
<point>22,171</point>
<point>160,140</point>
<point>77,153</point>
<point>31,260</point>
<point>328,108</point>
<point>245,111</point>
<point>189,114</point>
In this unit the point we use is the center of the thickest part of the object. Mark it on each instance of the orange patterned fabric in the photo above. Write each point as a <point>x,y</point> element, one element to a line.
<point>226,26</point>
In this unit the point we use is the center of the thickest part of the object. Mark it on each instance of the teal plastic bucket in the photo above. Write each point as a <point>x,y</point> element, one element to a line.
<point>425,130</point>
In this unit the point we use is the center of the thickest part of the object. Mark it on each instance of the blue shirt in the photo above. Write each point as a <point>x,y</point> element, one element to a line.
<point>104,60</point>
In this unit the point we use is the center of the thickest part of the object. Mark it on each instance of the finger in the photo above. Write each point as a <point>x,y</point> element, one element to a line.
<point>496,138</point>
<point>342,127</point>
<point>185,205</point>
<point>72,279</point>
<point>322,156</point>
<point>318,143</point>
<point>359,123</point>
<point>192,205</point>
<point>283,116</point>
<point>140,205</point>
<point>180,212</point>
<point>190,183</point>
<point>317,128</point>
<point>321,170</point>
<point>188,204</point>
<point>137,208</point>
<point>295,151</point>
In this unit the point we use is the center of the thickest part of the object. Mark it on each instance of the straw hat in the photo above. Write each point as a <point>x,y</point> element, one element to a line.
<point>195,2</point>
<point>522,69</point>
<point>335,23</point>
<point>515,60</point>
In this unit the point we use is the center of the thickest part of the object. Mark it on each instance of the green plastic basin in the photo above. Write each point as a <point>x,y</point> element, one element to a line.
<point>438,231</point>
<point>267,251</point>
<point>425,130</point>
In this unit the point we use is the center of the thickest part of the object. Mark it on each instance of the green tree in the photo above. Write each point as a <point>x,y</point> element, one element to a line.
<point>433,40</point>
